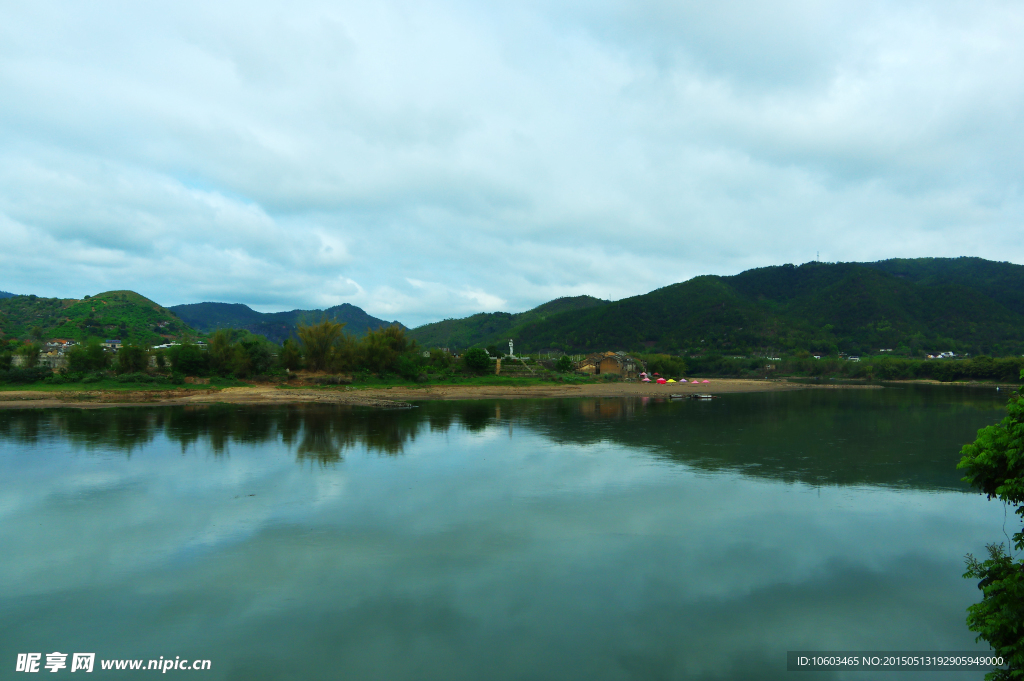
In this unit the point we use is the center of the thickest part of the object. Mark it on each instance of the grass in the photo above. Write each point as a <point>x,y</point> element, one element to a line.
<point>485,380</point>
<point>112,384</point>
<point>369,382</point>
<point>361,382</point>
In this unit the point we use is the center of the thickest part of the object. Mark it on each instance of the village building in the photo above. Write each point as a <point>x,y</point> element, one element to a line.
<point>614,363</point>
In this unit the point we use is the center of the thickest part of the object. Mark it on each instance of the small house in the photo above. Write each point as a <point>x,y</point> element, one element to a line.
<point>614,363</point>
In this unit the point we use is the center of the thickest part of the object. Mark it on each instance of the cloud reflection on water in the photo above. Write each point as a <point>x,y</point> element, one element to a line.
<point>604,539</point>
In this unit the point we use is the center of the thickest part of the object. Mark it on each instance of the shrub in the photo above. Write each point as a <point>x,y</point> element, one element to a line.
<point>136,377</point>
<point>332,380</point>
<point>408,368</point>
<point>477,360</point>
<point>22,375</point>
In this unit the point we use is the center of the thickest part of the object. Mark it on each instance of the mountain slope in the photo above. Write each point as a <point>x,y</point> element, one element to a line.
<point>962,304</point>
<point>125,315</point>
<point>1002,282</point>
<point>276,326</point>
<point>494,327</point>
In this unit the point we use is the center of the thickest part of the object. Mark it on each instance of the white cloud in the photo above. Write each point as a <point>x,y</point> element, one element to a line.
<point>276,155</point>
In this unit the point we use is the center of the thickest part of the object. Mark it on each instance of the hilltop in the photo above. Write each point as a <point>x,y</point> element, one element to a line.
<point>907,305</point>
<point>276,326</point>
<point>125,315</point>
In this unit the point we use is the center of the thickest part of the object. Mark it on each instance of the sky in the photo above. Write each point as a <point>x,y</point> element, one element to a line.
<point>434,159</point>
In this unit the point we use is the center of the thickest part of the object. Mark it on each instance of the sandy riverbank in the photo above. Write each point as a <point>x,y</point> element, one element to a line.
<point>395,397</point>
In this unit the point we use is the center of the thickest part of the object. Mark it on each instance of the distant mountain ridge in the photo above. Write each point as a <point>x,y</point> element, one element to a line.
<point>276,326</point>
<point>907,305</point>
<point>5,294</point>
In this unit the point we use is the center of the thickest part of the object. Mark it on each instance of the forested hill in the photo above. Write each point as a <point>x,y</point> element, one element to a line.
<point>494,327</point>
<point>276,326</point>
<point>124,315</point>
<point>911,306</point>
<point>5,294</point>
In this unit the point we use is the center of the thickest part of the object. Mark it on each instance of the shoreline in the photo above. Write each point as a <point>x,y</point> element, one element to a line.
<point>394,397</point>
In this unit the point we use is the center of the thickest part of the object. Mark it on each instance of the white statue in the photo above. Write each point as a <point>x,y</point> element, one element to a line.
<point>510,353</point>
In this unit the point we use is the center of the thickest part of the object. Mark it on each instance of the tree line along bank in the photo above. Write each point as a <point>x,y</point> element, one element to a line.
<point>388,353</point>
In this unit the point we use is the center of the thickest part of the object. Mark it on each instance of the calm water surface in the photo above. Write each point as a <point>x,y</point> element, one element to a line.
<point>574,539</point>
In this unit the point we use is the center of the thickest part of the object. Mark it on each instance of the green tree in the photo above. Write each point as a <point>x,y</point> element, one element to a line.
<point>88,357</point>
<point>188,359</point>
<point>318,341</point>
<point>220,351</point>
<point>408,367</point>
<point>994,464</point>
<point>290,356</point>
<point>564,364</point>
<point>383,348</point>
<point>29,352</point>
<point>251,357</point>
<point>667,365</point>
<point>440,359</point>
<point>132,359</point>
<point>346,353</point>
<point>477,360</point>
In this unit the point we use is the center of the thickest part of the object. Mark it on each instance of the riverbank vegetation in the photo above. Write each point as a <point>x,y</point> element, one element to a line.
<point>323,354</point>
<point>882,368</point>
<point>994,464</point>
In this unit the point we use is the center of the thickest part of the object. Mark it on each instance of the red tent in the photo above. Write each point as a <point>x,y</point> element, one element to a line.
<point>662,381</point>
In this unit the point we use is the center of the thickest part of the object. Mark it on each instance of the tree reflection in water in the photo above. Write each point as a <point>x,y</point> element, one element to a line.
<point>904,437</point>
<point>320,433</point>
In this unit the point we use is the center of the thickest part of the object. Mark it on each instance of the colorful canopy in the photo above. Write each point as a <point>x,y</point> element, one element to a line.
<point>705,381</point>
<point>671,380</point>
<point>645,380</point>
<point>696,381</point>
<point>662,381</point>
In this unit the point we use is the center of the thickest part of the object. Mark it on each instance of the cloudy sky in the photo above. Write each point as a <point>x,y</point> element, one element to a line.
<point>425,160</point>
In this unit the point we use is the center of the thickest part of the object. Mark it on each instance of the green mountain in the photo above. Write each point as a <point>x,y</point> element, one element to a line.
<point>276,326</point>
<point>494,327</point>
<point>5,294</point>
<point>911,306</point>
<point>124,315</point>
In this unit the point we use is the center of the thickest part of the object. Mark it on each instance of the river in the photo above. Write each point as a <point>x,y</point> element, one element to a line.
<point>547,539</point>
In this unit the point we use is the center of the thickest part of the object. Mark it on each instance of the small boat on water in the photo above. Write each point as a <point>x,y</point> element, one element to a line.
<point>695,396</point>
